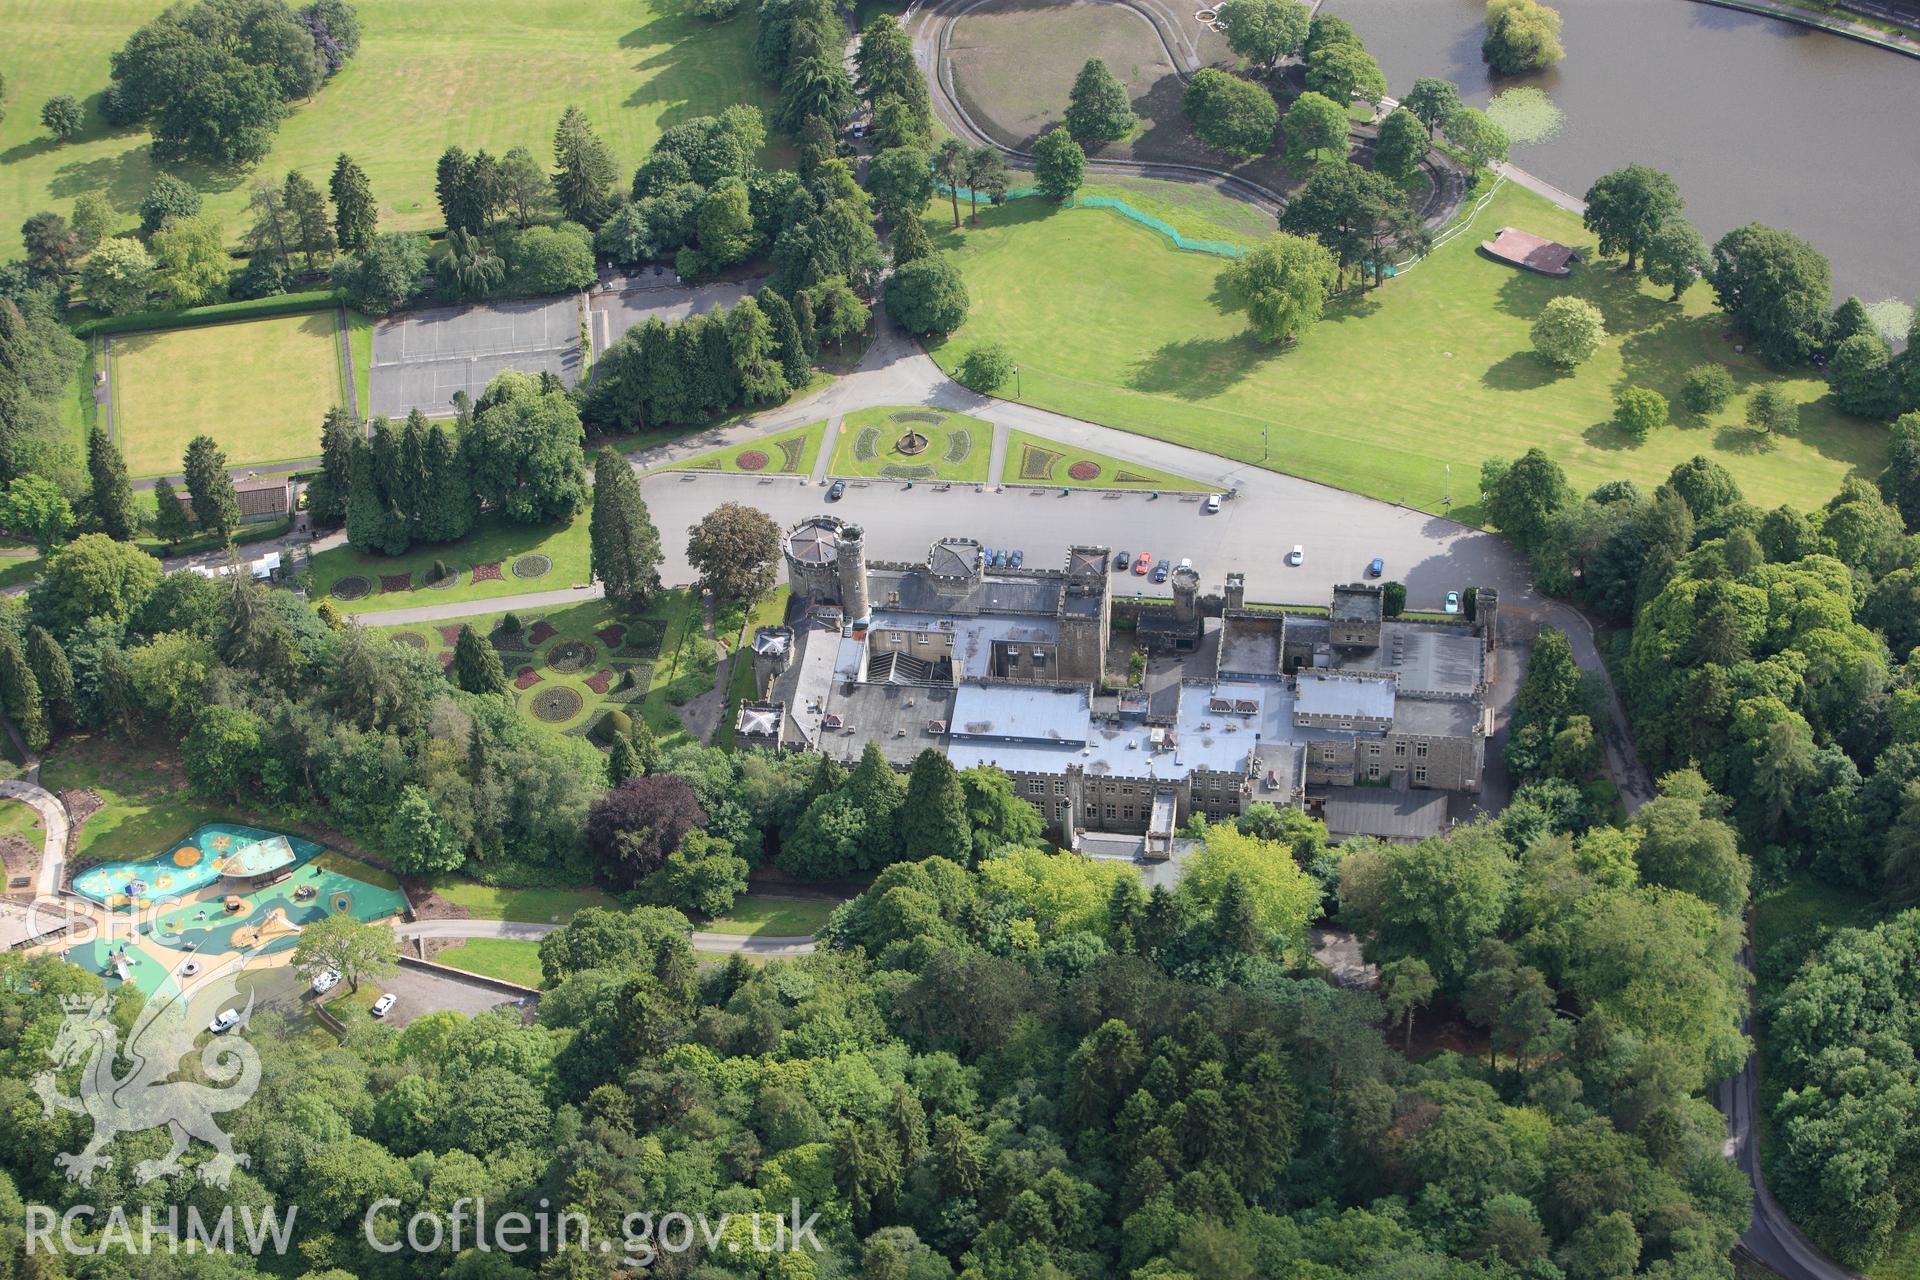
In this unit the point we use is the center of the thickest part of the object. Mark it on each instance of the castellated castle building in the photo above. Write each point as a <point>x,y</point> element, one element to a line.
<point>1376,724</point>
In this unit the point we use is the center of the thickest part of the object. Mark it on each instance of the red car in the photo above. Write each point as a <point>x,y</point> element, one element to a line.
<point>1143,563</point>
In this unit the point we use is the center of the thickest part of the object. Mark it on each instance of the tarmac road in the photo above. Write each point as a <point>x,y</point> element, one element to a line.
<point>1251,534</point>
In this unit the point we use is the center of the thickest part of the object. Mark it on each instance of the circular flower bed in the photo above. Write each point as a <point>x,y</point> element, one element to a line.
<point>352,587</point>
<point>1084,471</point>
<point>750,460</point>
<point>411,639</point>
<point>556,704</point>
<point>570,655</point>
<point>532,566</point>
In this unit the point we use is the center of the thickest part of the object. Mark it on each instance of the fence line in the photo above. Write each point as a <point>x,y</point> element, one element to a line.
<point>1456,230</point>
<point>1217,248</point>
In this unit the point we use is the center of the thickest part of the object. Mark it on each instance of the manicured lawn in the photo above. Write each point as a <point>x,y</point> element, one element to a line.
<point>429,72</point>
<point>529,906</point>
<point>554,677</point>
<point>1196,211</point>
<point>788,453</point>
<point>259,387</point>
<point>508,959</point>
<point>146,801</point>
<point>495,542</point>
<point>756,914</point>
<point>1035,459</point>
<point>958,447</point>
<point>1435,369</point>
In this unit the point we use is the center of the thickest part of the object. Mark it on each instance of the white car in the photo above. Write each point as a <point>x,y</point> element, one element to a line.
<point>228,1019</point>
<point>1213,503</point>
<point>325,981</point>
<point>1297,556</point>
<point>383,1004</point>
<point>1453,602</point>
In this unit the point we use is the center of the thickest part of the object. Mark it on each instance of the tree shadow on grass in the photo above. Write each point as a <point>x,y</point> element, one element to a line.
<point>1608,435</point>
<point>1197,368</point>
<point>1628,307</point>
<point>1742,440</point>
<point>1522,371</point>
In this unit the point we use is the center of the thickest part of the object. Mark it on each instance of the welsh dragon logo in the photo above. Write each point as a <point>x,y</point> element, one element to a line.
<point>147,1096</point>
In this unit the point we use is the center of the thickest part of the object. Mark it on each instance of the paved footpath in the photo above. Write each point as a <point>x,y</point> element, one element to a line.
<point>53,816</point>
<point>521,931</point>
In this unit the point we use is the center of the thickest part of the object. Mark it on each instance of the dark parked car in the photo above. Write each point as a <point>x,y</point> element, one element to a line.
<point>1376,567</point>
<point>1161,570</point>
<point>838,491</point>
<point>1013,561</point>
<point>1121,561</point>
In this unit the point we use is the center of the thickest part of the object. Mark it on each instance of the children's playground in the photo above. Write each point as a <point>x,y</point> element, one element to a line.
<point>176,916</point>
<point>215,851</point>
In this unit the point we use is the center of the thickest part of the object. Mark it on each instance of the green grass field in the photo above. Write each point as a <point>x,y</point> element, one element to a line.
<point>1035,459</point>
<point>1391,387</point>
<point>494,541</point>
<point>145,797</point>
<point>429,73</point>
<point>508,959</point>
<point>958,447</point>
<point>770,915</point>
<point>529,906</point>
<point>788,453</point>
<point>18,567</point>
<point>260,387</point>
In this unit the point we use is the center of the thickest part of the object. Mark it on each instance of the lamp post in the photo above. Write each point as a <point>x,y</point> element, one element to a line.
<point>1446,499</point>
<point>1263,444</point>
<point>1016,382</point>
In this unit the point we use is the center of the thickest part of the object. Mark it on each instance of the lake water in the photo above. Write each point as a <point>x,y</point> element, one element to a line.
<point>1758,120</point>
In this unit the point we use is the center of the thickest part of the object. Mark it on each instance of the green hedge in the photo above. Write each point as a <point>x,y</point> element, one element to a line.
<point>282,304</point>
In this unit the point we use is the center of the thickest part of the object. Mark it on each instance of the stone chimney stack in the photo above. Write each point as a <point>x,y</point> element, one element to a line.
<point>1186,595</point>
<point>1486,614</point>
<point>1236,591</point>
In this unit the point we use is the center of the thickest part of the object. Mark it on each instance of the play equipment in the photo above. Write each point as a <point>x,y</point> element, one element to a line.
<point>272,928</point>
<point>235,903</point>
<point>305,893</point>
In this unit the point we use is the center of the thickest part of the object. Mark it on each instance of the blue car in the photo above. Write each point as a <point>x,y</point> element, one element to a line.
<point>1161,570</point>
<point>1013,561</point>
<point>986,556</point>
<point>1376,568</point>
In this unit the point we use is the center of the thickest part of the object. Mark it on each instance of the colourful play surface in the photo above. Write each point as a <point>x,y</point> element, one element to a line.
<point>254,924</point>
<point>215,850</point>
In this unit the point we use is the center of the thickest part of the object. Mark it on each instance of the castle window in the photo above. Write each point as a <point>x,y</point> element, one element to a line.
<point>1399,748</point>
<point>1036,788</point>
<point>1420,751</point>
<point>1373,771</point>
<point>1420,773</point>
<point>1059,786</point>
<point>1126,811</point>
<point>1110,811</point>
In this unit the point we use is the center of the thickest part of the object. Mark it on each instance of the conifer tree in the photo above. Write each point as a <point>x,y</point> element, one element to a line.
<point>20,693</point>
<point>476,665</point>
<point>310,230</point>
<point>215,508</point>
<point>933,821</point>
<point>355,216</point>
<point>50,667</point>
<point>170,522</point>
<point>623,761</point>
<point>113,509</point>
<point>625,547</point>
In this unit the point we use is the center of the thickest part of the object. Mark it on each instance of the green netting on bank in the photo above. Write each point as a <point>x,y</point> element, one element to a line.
<point>1219,248</point>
